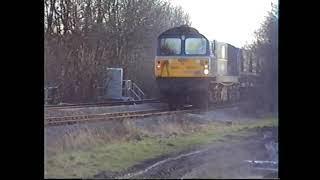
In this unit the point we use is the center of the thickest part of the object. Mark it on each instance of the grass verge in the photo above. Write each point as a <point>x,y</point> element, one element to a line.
<point>118,156</point>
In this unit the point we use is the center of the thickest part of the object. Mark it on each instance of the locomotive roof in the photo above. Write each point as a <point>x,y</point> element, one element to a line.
<point>181,30</point>
<point>225,43</point>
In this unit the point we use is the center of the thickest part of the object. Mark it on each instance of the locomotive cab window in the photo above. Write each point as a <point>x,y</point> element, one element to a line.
<point>170,46</point>
<point>196,46</point>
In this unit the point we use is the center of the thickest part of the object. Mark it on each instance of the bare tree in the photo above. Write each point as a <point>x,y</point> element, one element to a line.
<point>265,53</point>
<point>83,37</point>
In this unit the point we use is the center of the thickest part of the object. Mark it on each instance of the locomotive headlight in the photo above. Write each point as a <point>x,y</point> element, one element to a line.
<point>158,65</point>
<point>206,71</point>
<point>206,66</point>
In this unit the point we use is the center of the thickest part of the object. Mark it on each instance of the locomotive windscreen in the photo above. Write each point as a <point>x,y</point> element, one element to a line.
<point>182,41</point>
<point>170,46</point>
<point>195,46</point>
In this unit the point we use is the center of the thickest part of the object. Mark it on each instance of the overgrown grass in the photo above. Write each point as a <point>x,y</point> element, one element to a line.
<point>123,153</point>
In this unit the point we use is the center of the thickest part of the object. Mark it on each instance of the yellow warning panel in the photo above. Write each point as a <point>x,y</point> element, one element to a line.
<point>180,67</point>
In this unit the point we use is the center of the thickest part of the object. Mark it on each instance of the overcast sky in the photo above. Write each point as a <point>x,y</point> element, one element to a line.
<point>230,21</point>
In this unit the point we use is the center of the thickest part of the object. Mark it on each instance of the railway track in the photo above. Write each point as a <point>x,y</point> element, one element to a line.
<point>54,121</point>
<point>67,120</point>
<point>110,103</point>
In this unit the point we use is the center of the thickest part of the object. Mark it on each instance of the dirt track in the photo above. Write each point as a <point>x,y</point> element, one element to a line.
<point>223,159</point>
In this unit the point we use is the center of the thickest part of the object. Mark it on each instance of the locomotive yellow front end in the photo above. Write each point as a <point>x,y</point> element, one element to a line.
<point>183,66</point>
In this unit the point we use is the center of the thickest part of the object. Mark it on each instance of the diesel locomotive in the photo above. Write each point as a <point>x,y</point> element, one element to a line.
<point>189,69</point>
